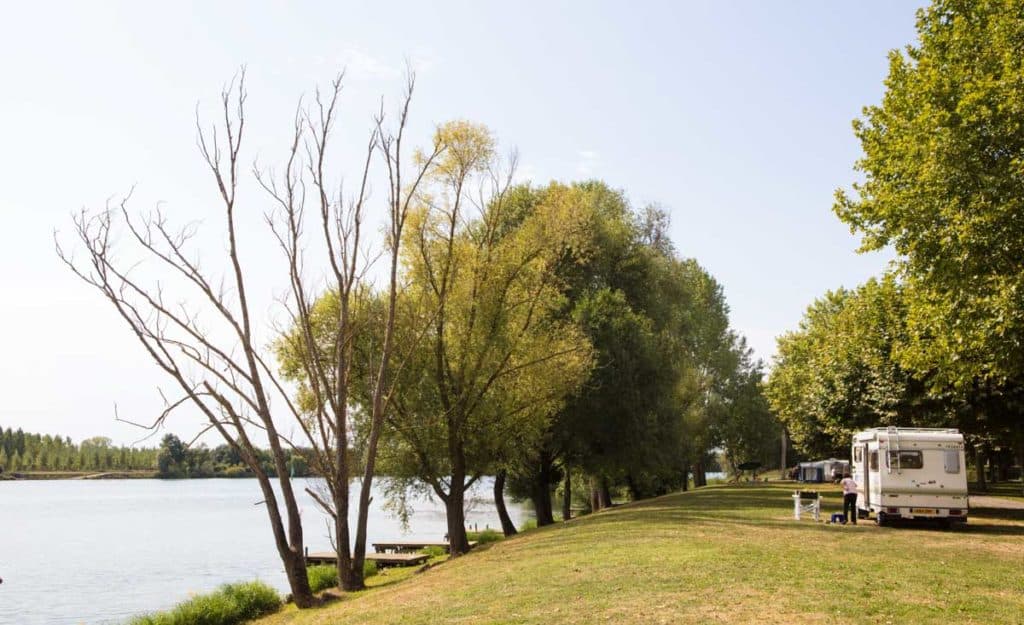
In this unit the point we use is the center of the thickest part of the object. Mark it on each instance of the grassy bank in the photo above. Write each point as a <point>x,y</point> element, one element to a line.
<point>718,555</point>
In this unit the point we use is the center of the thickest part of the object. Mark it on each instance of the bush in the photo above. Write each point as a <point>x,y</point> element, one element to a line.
<point>434,551</point>
<point>324,576</point>
<point>369,569</point>
<point>236,470</point>
<point>228,605</point>
<point>484,537</point>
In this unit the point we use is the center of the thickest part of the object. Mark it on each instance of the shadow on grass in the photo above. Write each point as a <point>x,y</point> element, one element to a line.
<point>770,506</point>
<point>1002,489</point>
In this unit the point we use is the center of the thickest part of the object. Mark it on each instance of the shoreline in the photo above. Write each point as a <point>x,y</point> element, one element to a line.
<point>23,476</point>
<point>19,476</point>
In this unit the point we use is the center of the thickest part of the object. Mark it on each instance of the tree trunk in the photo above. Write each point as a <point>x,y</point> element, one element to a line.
<point>290,550</point>
<point>566,494</point>
<point>507,527</point>
<point>686,479</point>
<point>699,477</point>
<point>1020,454</point>
<point>634,493</point>
<point>346,578</point>
<point>979,467</point>
<point>595,497</point>
<point>605,493</point>
<point>458,542</point>
<point>298,579</point>
<point>540,494</point>
<point>1003,466</point>
<point>782,462</point>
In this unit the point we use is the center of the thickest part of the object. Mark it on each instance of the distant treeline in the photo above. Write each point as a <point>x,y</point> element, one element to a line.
<point>21,451</point>
<point>176,460</point>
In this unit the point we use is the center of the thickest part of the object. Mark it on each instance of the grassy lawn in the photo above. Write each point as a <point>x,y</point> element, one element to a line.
<point>726,554</point>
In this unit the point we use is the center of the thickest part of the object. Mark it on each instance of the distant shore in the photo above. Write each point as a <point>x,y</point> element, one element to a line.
<point>147,474</point>
<point>78,475</point>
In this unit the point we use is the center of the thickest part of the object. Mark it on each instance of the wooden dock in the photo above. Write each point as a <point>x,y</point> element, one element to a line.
<point>383,560</point>
<point>409,546</point>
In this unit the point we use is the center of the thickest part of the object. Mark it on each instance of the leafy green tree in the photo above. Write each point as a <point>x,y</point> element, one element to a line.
<point>943,169</point>
<point>172,460</point>
<point>596,427</point>
<point>660,330</point>
<point>743,424</point>
<point>497,359</point>
<point>838,373</point>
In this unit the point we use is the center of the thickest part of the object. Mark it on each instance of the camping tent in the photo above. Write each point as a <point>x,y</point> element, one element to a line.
<point>822,470</point>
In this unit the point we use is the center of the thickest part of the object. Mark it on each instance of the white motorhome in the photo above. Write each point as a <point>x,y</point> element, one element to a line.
<point>910,473</point>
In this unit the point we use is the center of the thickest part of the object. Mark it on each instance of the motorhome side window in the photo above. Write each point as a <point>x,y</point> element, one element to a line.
<point>906,459</point>
<point>858,454</point>
<point>874,460</point>
<point>952,460</point>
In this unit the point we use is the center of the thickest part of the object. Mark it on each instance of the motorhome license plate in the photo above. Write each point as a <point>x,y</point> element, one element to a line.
<point>923,511</point>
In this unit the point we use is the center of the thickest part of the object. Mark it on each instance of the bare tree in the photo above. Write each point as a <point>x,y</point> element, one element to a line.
<point>321,341</point>
<point>221,369</point>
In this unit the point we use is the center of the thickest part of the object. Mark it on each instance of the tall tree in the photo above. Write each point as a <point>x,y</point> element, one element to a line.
<point>838,373</point>
<point>222,370</point>
<point>227,381</point>
<point>318,347</point>
<point>944,186</point>
<point>497,359</point>
<point>743,423</point>
<point>660,329</point>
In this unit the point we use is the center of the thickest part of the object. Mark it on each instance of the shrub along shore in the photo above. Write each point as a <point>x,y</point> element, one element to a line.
<point>241,602</point>
<point>228,605</point>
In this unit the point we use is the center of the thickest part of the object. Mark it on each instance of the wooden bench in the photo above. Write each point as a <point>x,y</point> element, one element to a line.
<point>383,560</point>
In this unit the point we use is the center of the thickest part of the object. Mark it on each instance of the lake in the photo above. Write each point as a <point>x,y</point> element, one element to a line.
<point>100,551</point>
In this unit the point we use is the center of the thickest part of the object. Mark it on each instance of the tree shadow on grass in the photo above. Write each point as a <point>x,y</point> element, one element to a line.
<point>770,506</point>
<point>1001,489</point>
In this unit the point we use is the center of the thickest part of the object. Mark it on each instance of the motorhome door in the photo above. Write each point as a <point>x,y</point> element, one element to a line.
<point>867,477</point>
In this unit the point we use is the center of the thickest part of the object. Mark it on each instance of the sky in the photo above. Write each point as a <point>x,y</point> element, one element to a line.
<point>734,116</point>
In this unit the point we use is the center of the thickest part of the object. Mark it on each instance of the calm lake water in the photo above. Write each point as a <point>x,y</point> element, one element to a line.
<point>100,551</point>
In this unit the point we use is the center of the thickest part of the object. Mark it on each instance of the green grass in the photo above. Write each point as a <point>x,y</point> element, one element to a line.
<point>228,605</point>
<point>724,554</point>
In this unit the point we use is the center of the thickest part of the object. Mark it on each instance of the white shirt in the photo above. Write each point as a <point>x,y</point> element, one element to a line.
<point>849,486</point>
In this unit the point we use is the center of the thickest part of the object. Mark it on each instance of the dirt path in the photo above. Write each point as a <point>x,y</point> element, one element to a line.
<point>986,501</point>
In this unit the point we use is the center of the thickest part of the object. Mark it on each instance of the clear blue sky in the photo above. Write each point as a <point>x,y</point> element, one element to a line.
<point>733,115</point>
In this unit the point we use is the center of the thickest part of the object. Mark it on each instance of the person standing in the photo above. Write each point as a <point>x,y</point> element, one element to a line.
<point>849,498</point>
